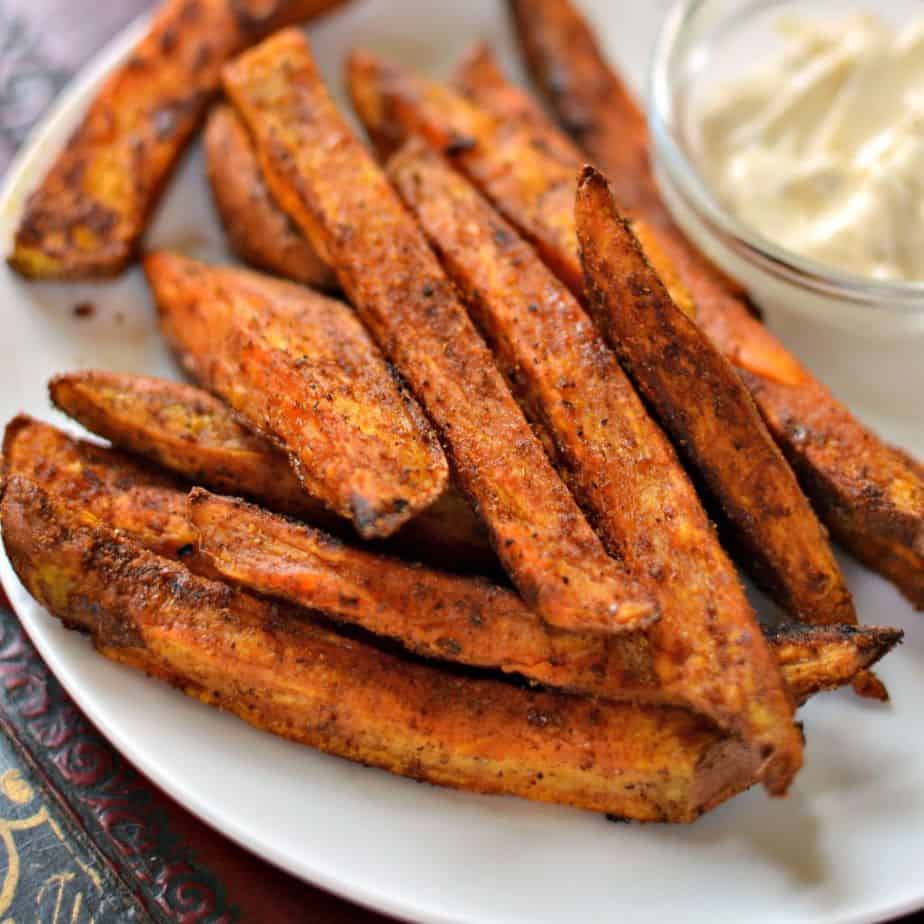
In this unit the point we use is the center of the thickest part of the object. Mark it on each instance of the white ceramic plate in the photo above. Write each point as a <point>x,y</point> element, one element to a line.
<point>847,846</point>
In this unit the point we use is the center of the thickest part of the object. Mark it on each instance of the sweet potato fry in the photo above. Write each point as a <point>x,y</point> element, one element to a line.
<point>869,494</point>
<point>376,87</point>
<point>431,613</point>
<point>615,459</point>
<point>531,186</point>
<point>259,232</point>
<point>480,77</point>
<point>470,621</point>
<point>706,407</point>
<point>87,216</point>
<point>819,658</point>
<point>185,430</point>
<point>104,485</point>
<point>190,432</point>
<point>281,672</point>
<point>327,182</point>
<point>303,372</point>
<point>892,560</point>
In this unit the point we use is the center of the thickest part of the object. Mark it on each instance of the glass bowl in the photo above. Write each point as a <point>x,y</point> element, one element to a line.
<point>863,337</point>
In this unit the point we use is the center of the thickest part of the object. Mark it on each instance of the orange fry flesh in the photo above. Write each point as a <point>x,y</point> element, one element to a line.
<point>331,187</point>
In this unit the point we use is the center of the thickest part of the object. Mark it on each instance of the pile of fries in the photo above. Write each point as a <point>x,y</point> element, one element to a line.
<point>476,415</point>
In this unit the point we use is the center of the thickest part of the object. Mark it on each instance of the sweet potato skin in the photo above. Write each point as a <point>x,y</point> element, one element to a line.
<point>868,493</point>
<point>191,433</point>
<point>282,673</point>
<point>259,232</point>
<point>303,372</point>
<point>331,187</point>
<point>615,459</point>
<point>706,407</point>
<point>87,216</point>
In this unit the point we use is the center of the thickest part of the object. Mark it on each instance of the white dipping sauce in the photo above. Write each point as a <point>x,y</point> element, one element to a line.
<point>822,151</point>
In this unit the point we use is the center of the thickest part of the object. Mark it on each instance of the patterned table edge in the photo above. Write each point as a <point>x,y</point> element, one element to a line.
<point>115,805</point>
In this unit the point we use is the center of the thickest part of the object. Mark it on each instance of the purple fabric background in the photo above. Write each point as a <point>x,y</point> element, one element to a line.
<point>42,42</point>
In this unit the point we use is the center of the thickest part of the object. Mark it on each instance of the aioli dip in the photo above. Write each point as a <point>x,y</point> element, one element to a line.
<point>822,151</point>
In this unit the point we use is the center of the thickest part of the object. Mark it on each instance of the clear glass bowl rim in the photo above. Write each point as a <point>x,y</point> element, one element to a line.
<point>905,298</point>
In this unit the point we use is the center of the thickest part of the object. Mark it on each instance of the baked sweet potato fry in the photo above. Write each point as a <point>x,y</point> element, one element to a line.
<point>431,613</point>
<point>706,407</point>
<point>377,87</point>
<point>868,493</point>
<point>87,216</point>
<point>185,430</point>
<point>892,560</point>
<point>329,184</point>
<point>301,370</point>
<point>104,486</point>
<point>281,672</point>
<point>470,621</point>
<point>480,77</point>
<point>819,658</point>
<point>531,184</point>
<point>615,459</point>
<point>259,232</point>
<point>190,432</point>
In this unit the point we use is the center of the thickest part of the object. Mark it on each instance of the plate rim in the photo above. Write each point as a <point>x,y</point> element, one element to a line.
<point>28,611</point>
